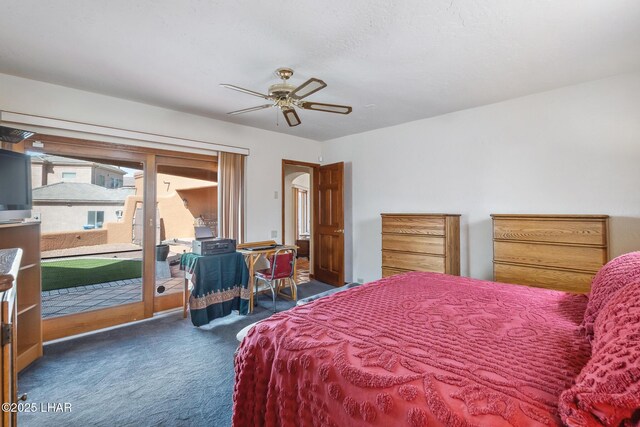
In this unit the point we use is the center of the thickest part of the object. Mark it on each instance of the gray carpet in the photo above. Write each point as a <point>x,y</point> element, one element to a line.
<point>160,372</point>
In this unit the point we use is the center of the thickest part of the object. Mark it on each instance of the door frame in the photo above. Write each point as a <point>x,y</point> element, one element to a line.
<point>315,167</point>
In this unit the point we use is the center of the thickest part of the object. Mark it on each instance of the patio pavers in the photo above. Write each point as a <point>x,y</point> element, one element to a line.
<point>101,295</point>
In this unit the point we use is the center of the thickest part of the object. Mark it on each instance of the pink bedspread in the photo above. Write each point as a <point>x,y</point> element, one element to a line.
<point>418,349</point>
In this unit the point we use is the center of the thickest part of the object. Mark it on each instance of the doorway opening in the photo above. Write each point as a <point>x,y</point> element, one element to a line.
<point>325,221</point>
<point>297,214</point>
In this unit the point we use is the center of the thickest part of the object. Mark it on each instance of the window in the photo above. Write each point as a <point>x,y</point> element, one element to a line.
<point>68,176</point>
<point>100,180</point>
<point>303,219</point>
<point>95,219</point>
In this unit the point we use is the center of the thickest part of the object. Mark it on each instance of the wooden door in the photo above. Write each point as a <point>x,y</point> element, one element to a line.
<point>329,225</point>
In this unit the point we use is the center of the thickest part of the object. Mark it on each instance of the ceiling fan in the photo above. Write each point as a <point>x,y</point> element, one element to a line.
<point>287,96</point>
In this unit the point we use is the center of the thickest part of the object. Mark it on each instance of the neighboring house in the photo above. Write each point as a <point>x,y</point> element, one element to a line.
<point>69,206</point>
<point>47,170</point>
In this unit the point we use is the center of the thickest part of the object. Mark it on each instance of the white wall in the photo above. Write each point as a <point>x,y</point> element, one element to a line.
<point>571,150</point>
<point>263,165</point>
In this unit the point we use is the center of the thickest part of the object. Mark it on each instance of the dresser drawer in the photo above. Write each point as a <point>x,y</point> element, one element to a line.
<point>413,225</point>
<point>543,277</point>
<point>581,258</point>
<point>414,243</point>
<point>413,262</point>
<point>582,232</point>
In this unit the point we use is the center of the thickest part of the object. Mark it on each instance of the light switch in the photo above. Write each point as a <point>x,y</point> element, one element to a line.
<point>275,194</point>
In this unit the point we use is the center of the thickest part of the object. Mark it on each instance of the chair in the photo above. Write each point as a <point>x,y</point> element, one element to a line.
<point>282,267</point>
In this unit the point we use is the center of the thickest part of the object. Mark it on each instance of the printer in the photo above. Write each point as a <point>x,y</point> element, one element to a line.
<point>206,244</point>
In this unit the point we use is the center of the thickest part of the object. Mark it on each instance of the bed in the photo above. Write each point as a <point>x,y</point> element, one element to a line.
<point>422,349</point>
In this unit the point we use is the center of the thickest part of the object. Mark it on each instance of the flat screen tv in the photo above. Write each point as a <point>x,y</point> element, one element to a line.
<point>15,186</point>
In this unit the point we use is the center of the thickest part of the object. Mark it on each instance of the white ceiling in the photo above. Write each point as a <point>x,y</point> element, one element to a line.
<point>393,61</point>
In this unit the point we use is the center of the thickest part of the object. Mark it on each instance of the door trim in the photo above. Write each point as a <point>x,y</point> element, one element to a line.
<point>88,321</point>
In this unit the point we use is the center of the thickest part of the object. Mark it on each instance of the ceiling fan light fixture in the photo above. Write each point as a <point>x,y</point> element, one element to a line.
<point>291,116</point>
<point>329,108</point>
<point>286,96</point>
<point>307,88</point>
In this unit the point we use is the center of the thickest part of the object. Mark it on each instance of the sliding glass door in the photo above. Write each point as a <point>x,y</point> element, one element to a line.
<point>187,200</point>
<point>115,220</point>
<point>92,236</point>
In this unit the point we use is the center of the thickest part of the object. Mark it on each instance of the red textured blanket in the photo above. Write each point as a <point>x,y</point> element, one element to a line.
<point>418,349</point>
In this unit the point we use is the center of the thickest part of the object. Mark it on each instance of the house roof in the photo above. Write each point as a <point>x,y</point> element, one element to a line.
<point>80,192</point>
<point>67,161</point>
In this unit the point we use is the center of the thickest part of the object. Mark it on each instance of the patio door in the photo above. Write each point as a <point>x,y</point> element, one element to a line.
<point>115,220</point>
<point>94,273</point>
<point>187,197</point>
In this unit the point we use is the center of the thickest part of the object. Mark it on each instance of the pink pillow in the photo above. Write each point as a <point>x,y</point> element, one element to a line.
<point>611,277</point>
<point>607,390</point>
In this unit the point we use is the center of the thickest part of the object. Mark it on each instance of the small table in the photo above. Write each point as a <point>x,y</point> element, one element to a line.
<point>220,284</point>
<point>252,256</point>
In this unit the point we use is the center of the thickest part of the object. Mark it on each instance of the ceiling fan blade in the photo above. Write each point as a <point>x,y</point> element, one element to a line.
<point>291,116</point>
<point>247,110</point>
<point>328,108</point>
<point>243,90</point>
<point>307,88</point>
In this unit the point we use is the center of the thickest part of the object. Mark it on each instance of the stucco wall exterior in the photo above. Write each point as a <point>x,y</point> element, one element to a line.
<point>178,220</point>
<point>122,231</point>
<point>65,240</point>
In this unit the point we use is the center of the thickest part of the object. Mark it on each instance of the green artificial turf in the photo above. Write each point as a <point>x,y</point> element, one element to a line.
<point>87,271</point>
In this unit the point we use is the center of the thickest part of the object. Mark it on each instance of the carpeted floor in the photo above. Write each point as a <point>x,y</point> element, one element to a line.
<point>160,372</point>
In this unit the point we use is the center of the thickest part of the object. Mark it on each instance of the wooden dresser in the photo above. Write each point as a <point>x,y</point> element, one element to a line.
<point>9,268</point>
<point>560,252</point>
<point>26,236</point>
<point>420,242</point>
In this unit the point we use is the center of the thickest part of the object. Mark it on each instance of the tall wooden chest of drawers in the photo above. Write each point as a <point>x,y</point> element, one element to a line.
<point>560,252</point>
<point>420,242</point>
